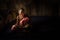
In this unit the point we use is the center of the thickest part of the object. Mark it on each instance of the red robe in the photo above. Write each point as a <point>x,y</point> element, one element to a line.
<point>21,23</point>
<point>24,21</point>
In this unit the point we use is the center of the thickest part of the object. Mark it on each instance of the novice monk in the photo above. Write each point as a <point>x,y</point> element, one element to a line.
<point>22,22</point>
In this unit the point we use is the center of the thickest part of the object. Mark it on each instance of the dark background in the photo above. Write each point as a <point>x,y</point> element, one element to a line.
<point>32,7</point>
<point>44,14</point>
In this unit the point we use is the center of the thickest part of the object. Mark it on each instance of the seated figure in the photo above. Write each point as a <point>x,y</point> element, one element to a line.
<point>22,23</point>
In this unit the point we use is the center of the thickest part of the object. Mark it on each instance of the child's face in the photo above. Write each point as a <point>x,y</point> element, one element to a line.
<point>21,14</point>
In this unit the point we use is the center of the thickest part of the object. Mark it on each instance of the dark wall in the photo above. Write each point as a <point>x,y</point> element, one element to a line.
<point>32,7</point>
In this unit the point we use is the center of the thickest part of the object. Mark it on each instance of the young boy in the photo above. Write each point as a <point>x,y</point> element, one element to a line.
<point>22,22</point>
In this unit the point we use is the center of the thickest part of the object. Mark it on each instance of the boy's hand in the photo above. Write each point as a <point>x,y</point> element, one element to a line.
<point>13,27</point>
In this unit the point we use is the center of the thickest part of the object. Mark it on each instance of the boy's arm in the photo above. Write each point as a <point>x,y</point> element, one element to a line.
<point>13,27</point>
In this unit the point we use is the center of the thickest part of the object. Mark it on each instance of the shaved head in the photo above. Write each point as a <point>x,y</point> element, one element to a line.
<point>21,11</point>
